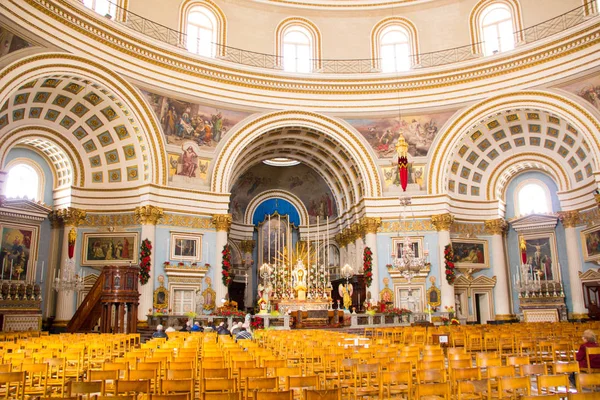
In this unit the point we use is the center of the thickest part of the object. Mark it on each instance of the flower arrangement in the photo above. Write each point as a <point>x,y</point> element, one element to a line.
<point>223,312</point>
<point>207,265</point>
<point>449,261</point>
<point>167,264</point>
<point>227,271</point>
<point>388,266</point>
<point>160,311</point>
<point>454,321</point>
<point>258,323</point>
<point>181,264</point>
<point>397,312</point>
<point>368,266</point>
<point>449,309</point>
<point>445,320</point>
<point>145,253</point>
<point>191,314</point>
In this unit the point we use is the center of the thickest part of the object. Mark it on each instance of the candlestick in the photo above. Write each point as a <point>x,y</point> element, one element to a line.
<point>41,275</point>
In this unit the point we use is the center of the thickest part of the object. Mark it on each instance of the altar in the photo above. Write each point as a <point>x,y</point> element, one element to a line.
<point>286,306</point>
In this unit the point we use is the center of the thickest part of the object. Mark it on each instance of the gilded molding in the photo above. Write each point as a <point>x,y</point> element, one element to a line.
<point>569,219</point>
<point>222,222</point>
<point>406,226</point>
<point>590,217</point>
<point>100,220</point>
<point>55,219</point>
<point>148,215</point>
<point>247,246</point>
<point>579,316</point>
<point>340,238</point>
<point>496,226</point>
<point>442,222</point>
<point>72,216</point>
<point>370,224</point>
<point>187,221</point>
<point>505,317</point>
<point>467,229</point>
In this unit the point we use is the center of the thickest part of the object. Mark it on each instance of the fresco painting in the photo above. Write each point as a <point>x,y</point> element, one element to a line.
<point>588,89</point>
<point>416,176</point>
<point>300,180</point>
<point>187,164</point>
<point>183,121</point>
<point>10,42</point>
<point>419,132</point>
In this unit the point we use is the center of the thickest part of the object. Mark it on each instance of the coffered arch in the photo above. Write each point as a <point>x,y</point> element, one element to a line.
<point>484,146</point>
<point>331,147</point>
<point>100,115</point>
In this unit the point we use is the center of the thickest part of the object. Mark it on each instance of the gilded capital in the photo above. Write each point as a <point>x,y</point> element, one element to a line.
<point>496,226</point>
<point>340,239</point>
<point>247,246</point>
<point>370,224</point>
<point>442,222</point>
<point>222,222</point>
<point>356,231</point>
<point>55,219</point>
<point>597,198</point>
<point>148,215</point>
<point>72,216</point>
<point>570,219</point>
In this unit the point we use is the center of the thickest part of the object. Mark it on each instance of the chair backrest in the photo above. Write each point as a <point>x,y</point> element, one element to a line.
<point>514,384</point>
<point>566,367</point>
<point>545,382</point>
<point>77,388</point>
<point>533,369</point>
<point>473,388</point>
<point>466,374</point>
<point>433,389</point>
<point>592,354</point>
<point>216,373</point>
<point>177,386</point>
<point>180,374</point>
<point>542,397</point>
<point>582,396</point>
<point>219,385</point>
<point>142,386</point>
<point>179,396</point>
<point>588,381</point>
<point>302,382</point>
<point>220,396</point>
<point>327,394</point>
<point>285,395</point>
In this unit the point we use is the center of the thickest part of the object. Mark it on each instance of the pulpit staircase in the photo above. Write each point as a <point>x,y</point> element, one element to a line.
<point>113,300</point>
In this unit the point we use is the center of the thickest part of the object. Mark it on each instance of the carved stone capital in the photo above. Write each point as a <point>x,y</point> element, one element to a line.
<point>570,219</point>
<point>370,224</point>
<point>496,226</point>
<point>55,219</point>
<point>222,222</point>
<point>442,222</point>
<point>247,246</point>
<point>148,215</point>
<point>72,216</point>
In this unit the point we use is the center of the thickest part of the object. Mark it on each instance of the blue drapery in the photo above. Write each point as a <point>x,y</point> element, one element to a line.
<point>269,206</point>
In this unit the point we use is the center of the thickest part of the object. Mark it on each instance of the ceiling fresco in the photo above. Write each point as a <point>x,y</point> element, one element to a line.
<point>9,42</point>
<point>588,89</point>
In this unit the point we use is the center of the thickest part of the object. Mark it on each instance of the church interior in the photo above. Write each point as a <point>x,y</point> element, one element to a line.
<point>353,179</point>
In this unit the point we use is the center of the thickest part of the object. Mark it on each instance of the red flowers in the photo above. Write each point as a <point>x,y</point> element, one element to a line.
<point>145,253</point>
<point>368,266</point>
<point>449,261</point>
<point>227,271</point>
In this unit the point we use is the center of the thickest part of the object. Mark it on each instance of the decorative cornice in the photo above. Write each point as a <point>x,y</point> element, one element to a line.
<point>187,221</point>
<point>370,224</point>
<point>534,222</point>
<point>247,246</point>
<point>570,219</point>
<point>222,222</point>
<point>72,216</point>
<point>148,215</point>
<point>442,222</point>
<point>496,226</point>
<point>98,220</point>
<point>468,230</point>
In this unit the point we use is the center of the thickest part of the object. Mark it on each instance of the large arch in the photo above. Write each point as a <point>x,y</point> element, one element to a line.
<point>457,134</point>
<point>341,153</point>
<point>65,80</point>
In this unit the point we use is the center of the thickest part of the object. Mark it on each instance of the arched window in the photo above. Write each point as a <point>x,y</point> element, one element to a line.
<point>201,31</point>
<point>395,49</point>
<point>532,196</point>
<point>497,29</point>
<point>297,49</point>
<point>23,181</point>
<point>103,7</point>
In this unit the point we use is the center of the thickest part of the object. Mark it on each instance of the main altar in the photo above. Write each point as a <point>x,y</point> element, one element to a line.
<point>296,281</point>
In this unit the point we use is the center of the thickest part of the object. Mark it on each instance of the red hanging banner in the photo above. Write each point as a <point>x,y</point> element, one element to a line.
<point>523,247</point>
<point>72,239</point>
<point>402,150</point>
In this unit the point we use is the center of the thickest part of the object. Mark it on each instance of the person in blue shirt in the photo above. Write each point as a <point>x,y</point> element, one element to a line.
<point>197,327</point>
<point>160,333</point>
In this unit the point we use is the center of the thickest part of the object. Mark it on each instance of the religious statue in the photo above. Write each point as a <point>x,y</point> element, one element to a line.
<point>263,301</point>
<point>299,276</point>
<point>346,294</point>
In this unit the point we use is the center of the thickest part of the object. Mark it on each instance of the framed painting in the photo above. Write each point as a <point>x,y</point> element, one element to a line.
<point>471,253</point>
<point>113,248</point>
<point>17,250</point>
<point>186,246</point>
<point>590,240</point>
<point>415,242</point>
<point>434,296</point>
<point>541,257</point>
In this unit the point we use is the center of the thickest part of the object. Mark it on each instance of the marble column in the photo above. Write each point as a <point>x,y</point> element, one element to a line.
<point>442,224</point>
<point>359,245</point>
<point>497,228</point>
<point>65,304</point>
<point>370,226</point>
<point>147,216</point>
<point>222,223</point>
<point>247,248</point>
<point>52,264</point>
<point>570,220</point>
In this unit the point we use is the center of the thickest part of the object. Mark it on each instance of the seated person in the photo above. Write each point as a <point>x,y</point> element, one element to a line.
<point>170,329</point>
<point>197,327</point>
<point>222,329</point>
<point>243,334</point>
<point>589,340</point>
<point>159,332</point>
<point>187,327</point>
<point>236,328</point>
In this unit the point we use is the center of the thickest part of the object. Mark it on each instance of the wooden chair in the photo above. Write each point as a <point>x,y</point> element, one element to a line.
<point>366,381</point>
<point>395,383</point>
<point>433,389</point>
<point>566,367</point>
<point>514,387</point>
<point>588,381</point>
<point>583,396</point>
<point>219,385</point>
<point>326,394</point>
<point>56,374</point>
<point>36,379</point>
<point>302,382</point>
<point>285,395</point>
<point>472,389</point>
<point>107,377</point>
<point>85,388</point>
<point>169,386</point>
<point>12,385</point>
<point>254,384</point>
<point>546,382</point>
<point>592,351</point>
<point>133,387</point>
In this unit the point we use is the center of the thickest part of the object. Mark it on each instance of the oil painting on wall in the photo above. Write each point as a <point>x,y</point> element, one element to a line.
<point>110,248</point>
<point>541,257</point>
<point>300,180</point>
<point>471,253</point>
<point>182,121</point>
<point>419,132</point>
<point>16,250</point>
<point>588,89</point>
<point>590,239</point>
<point>187,164</point>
